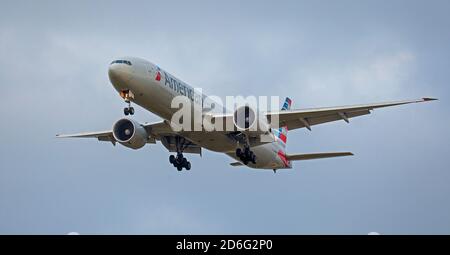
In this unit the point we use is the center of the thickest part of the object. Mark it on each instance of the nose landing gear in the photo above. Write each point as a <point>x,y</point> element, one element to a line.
<point>127,95</point>
<point>128,110</point>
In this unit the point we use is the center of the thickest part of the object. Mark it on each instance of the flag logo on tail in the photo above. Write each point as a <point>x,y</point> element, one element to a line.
<point>282,131</point>
<point>287,104</point>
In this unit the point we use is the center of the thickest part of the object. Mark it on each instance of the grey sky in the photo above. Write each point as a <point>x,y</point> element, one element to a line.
<point>54,59</point>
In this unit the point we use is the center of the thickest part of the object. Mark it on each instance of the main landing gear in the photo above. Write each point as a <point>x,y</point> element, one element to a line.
<point>180,161</point>
<point>127,95</point>
<point>246,155</point>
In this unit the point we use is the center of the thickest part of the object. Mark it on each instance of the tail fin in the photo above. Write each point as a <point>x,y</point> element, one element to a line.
<point>287,104</point>
<point>282,131</point>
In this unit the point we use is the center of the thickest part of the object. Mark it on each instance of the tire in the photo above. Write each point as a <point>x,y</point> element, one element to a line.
<point>179,168</point>
<point>188,166</point>
<point>253,158</point>
<point>125,111</point>
<point>238,152</point>
<point>172,159</point>
<point>245,162</point>
<point>184,162</point>
<point>131,110</point>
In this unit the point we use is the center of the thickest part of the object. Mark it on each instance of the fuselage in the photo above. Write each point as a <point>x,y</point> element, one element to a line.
<point>154,89</point>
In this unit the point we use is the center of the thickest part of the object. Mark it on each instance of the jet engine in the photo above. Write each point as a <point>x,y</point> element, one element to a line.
<point>130,133</point>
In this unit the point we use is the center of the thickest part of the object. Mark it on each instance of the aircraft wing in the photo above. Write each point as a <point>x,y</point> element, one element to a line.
<point>155,130</point>
<point>309,117</point>
<point>101,135</point>
<point>87,135</point>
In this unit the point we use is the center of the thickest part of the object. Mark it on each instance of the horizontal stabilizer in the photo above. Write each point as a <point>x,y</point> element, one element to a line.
<point>317,155</point>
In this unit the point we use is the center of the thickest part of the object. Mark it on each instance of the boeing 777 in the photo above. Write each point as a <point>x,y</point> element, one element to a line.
<point>144,83</point>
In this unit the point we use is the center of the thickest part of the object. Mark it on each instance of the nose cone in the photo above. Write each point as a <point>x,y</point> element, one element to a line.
<point>120,74</point>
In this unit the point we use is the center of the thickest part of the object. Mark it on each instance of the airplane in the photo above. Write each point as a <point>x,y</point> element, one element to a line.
<point>146,84</point>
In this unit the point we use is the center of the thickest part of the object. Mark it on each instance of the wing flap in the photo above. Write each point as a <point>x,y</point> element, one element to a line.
<point>301,123</point>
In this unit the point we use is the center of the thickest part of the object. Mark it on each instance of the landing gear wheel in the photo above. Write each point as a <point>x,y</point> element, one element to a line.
<point>172,159</point>
<point>179,161</point>
<point>253,158</point>
<point>246,155</point>
<point>238,152</point>
<point>128,111</point>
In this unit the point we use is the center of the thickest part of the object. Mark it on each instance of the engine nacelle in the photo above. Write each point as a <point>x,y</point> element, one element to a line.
<point>246,119</point>
<point>130,133</point>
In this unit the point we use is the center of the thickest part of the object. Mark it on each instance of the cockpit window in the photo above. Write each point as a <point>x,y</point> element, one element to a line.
<point>126,62</point>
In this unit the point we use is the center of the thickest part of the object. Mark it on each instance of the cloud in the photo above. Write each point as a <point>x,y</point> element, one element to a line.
<point>53,77</point>
<point>382,74</point>
<point>358,78</point>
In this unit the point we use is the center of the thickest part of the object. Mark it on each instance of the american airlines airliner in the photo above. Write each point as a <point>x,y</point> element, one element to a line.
<point>143,83</point>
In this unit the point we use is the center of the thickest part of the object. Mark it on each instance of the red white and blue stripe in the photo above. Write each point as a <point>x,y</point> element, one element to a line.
<point>282,131</point>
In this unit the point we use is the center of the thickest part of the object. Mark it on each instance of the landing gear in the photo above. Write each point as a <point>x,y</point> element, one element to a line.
<point>128,110</point>
<point>246,155</point>
<point>127,95</point>
<point>243,151</point>
<point>172,159</point>
<point>180,161</point>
